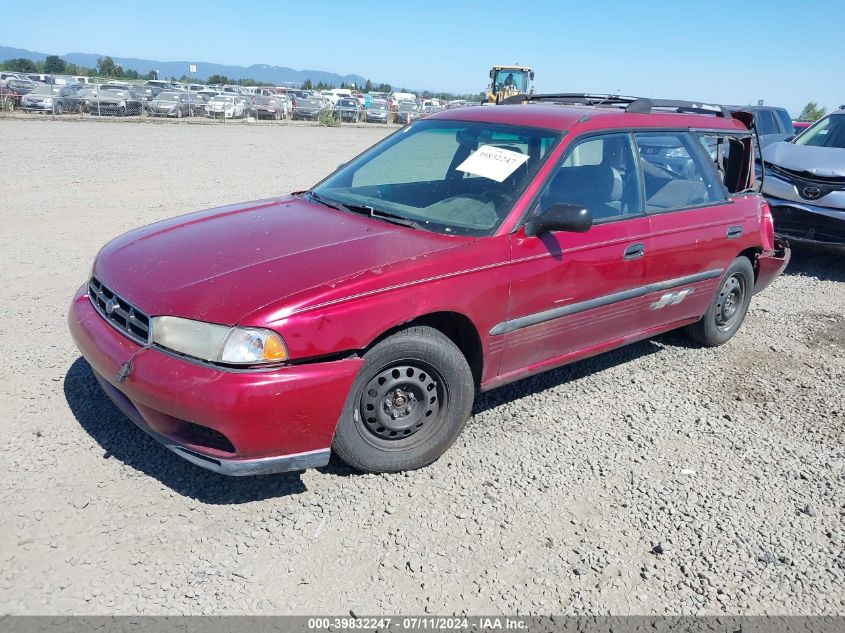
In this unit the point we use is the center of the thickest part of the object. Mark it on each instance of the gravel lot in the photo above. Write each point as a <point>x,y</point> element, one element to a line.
<point>660,478</point>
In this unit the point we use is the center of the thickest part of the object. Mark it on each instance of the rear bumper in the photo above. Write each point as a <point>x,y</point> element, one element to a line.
<point>771,264</point>
<point>232,422</point>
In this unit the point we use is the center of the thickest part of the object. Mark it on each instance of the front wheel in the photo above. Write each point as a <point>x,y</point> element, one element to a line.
<point>728,308</point>
<point>407,405</point>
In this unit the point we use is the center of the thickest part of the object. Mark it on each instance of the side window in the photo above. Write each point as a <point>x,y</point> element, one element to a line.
<point>765,122</point>
<point>728,155</point>
<point>600,174</point>
<point>675,172</point>
<point>785,121</point>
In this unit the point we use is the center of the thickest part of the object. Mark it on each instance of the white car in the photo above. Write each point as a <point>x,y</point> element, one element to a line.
<point>225,106</point>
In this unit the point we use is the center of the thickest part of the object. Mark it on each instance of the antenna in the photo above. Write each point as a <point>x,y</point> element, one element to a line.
<point>606,98</point>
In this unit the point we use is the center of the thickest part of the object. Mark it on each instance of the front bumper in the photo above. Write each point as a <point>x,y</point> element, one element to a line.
<point>809,224</point>
<point>770,264</point>
<point>232,422</point>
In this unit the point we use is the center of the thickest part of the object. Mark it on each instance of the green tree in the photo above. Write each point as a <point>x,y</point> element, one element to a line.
<point>368,87</point>
<point>106,67</point>
<point>384,88</point>
<point>307,85</point>
<point>20,64</point>
<point>218,79</point>
<point>54,65</point>
<point>812,112</point>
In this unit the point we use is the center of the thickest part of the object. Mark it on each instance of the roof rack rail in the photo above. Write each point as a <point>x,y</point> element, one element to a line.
<point>571,98</point>
<point>634,105</point>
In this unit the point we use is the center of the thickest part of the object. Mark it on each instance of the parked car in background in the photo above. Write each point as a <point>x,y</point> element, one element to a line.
<point>348,109</point>
<point>117,101</point>
<point>21,84</point>
<point>804,182</point>
<point>225,106</point>
<point>800,126</point>
<point>773,123</point>
<point>53,99</point>
<point>308,109</point>
<point>170,103</point>
<point>268,107</point>
<point>147,92</point>
<point>377,111</point>
<point>407,112</point>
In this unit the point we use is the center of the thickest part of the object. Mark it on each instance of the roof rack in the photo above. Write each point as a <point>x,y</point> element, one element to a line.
<point>635,105</point>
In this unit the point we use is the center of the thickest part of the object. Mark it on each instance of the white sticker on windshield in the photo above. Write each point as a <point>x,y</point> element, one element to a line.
<point>492,162</point>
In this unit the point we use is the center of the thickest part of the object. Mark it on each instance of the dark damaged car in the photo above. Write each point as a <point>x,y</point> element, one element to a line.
<point>805,184</point>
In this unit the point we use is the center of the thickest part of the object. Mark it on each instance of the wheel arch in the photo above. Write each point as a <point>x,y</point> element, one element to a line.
<point>752,254</point>
<point>455,326</point>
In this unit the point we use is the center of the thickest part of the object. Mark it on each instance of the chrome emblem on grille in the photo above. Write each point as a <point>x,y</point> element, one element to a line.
<point>111,304</point>
<point>811,192</point>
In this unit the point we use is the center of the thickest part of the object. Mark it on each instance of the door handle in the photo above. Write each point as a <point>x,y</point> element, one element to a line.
<point>734,232</point>
<point>634,251</point>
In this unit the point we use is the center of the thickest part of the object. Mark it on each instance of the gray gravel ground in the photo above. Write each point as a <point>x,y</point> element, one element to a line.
<point>660,478</point>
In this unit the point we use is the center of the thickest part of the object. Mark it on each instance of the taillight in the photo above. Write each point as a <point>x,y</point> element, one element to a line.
<point>767,227</point>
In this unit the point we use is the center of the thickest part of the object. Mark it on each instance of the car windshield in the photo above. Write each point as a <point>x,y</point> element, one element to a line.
<point>42,90</point>
<point>828,132</point>
<point>169,96</point>
<point>378,105</point>
<point>452,177</point>
<point>407,106</point>
<point>348,103</point>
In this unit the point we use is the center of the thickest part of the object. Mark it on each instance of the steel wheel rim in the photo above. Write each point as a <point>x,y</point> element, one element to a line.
<point>402,405</point>
<point>730,301</point>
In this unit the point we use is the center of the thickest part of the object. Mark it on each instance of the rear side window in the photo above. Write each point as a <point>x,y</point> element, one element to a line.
<point>765,122</point>
<point>785,120</point>
<point>676,172</point>
<point>600,174</point>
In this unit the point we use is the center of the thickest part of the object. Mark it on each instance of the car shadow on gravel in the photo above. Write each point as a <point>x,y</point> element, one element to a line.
<point>122,440</point>
<point>822,265</point>
<point>569,373</point>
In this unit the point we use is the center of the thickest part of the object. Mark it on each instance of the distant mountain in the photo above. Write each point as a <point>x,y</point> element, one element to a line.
<point>275,75</point>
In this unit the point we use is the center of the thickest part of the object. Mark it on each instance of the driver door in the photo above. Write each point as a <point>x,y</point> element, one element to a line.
<point>572,293</point>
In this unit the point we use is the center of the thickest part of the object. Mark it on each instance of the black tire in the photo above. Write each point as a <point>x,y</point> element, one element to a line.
<point>407,405</point>
<point>59,109</point>
<point>727,311</point>
<point>121,111</point>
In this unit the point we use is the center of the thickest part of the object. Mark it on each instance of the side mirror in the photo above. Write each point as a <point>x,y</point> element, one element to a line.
<point>560,217</point>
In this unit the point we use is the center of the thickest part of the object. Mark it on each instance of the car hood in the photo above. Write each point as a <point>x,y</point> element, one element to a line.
<point>223,264</point>
<point>818,161</point>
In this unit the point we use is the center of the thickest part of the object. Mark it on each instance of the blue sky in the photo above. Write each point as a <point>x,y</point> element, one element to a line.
<point>732,52</point>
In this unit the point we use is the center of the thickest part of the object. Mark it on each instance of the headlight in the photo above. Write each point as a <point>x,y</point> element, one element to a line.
<point>218,343</point>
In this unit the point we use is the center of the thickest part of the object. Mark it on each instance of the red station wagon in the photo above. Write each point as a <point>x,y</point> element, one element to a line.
<point>471,249</point>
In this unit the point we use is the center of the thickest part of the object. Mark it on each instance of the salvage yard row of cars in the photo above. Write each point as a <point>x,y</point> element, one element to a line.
<point>60,95</point>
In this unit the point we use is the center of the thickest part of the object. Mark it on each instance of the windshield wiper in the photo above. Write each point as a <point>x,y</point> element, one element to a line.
<point>387,216</point>
<point>365,209</point>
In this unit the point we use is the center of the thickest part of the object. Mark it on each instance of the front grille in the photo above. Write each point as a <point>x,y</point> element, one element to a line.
<point>119,312</point>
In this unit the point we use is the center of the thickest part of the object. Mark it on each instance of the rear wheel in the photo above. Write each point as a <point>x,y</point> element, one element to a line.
<point>407,405</point>
<point>59,109</point>
<point>729,307</point>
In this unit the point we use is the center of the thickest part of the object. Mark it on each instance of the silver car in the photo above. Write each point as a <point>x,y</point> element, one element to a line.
<point>804,183</point>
